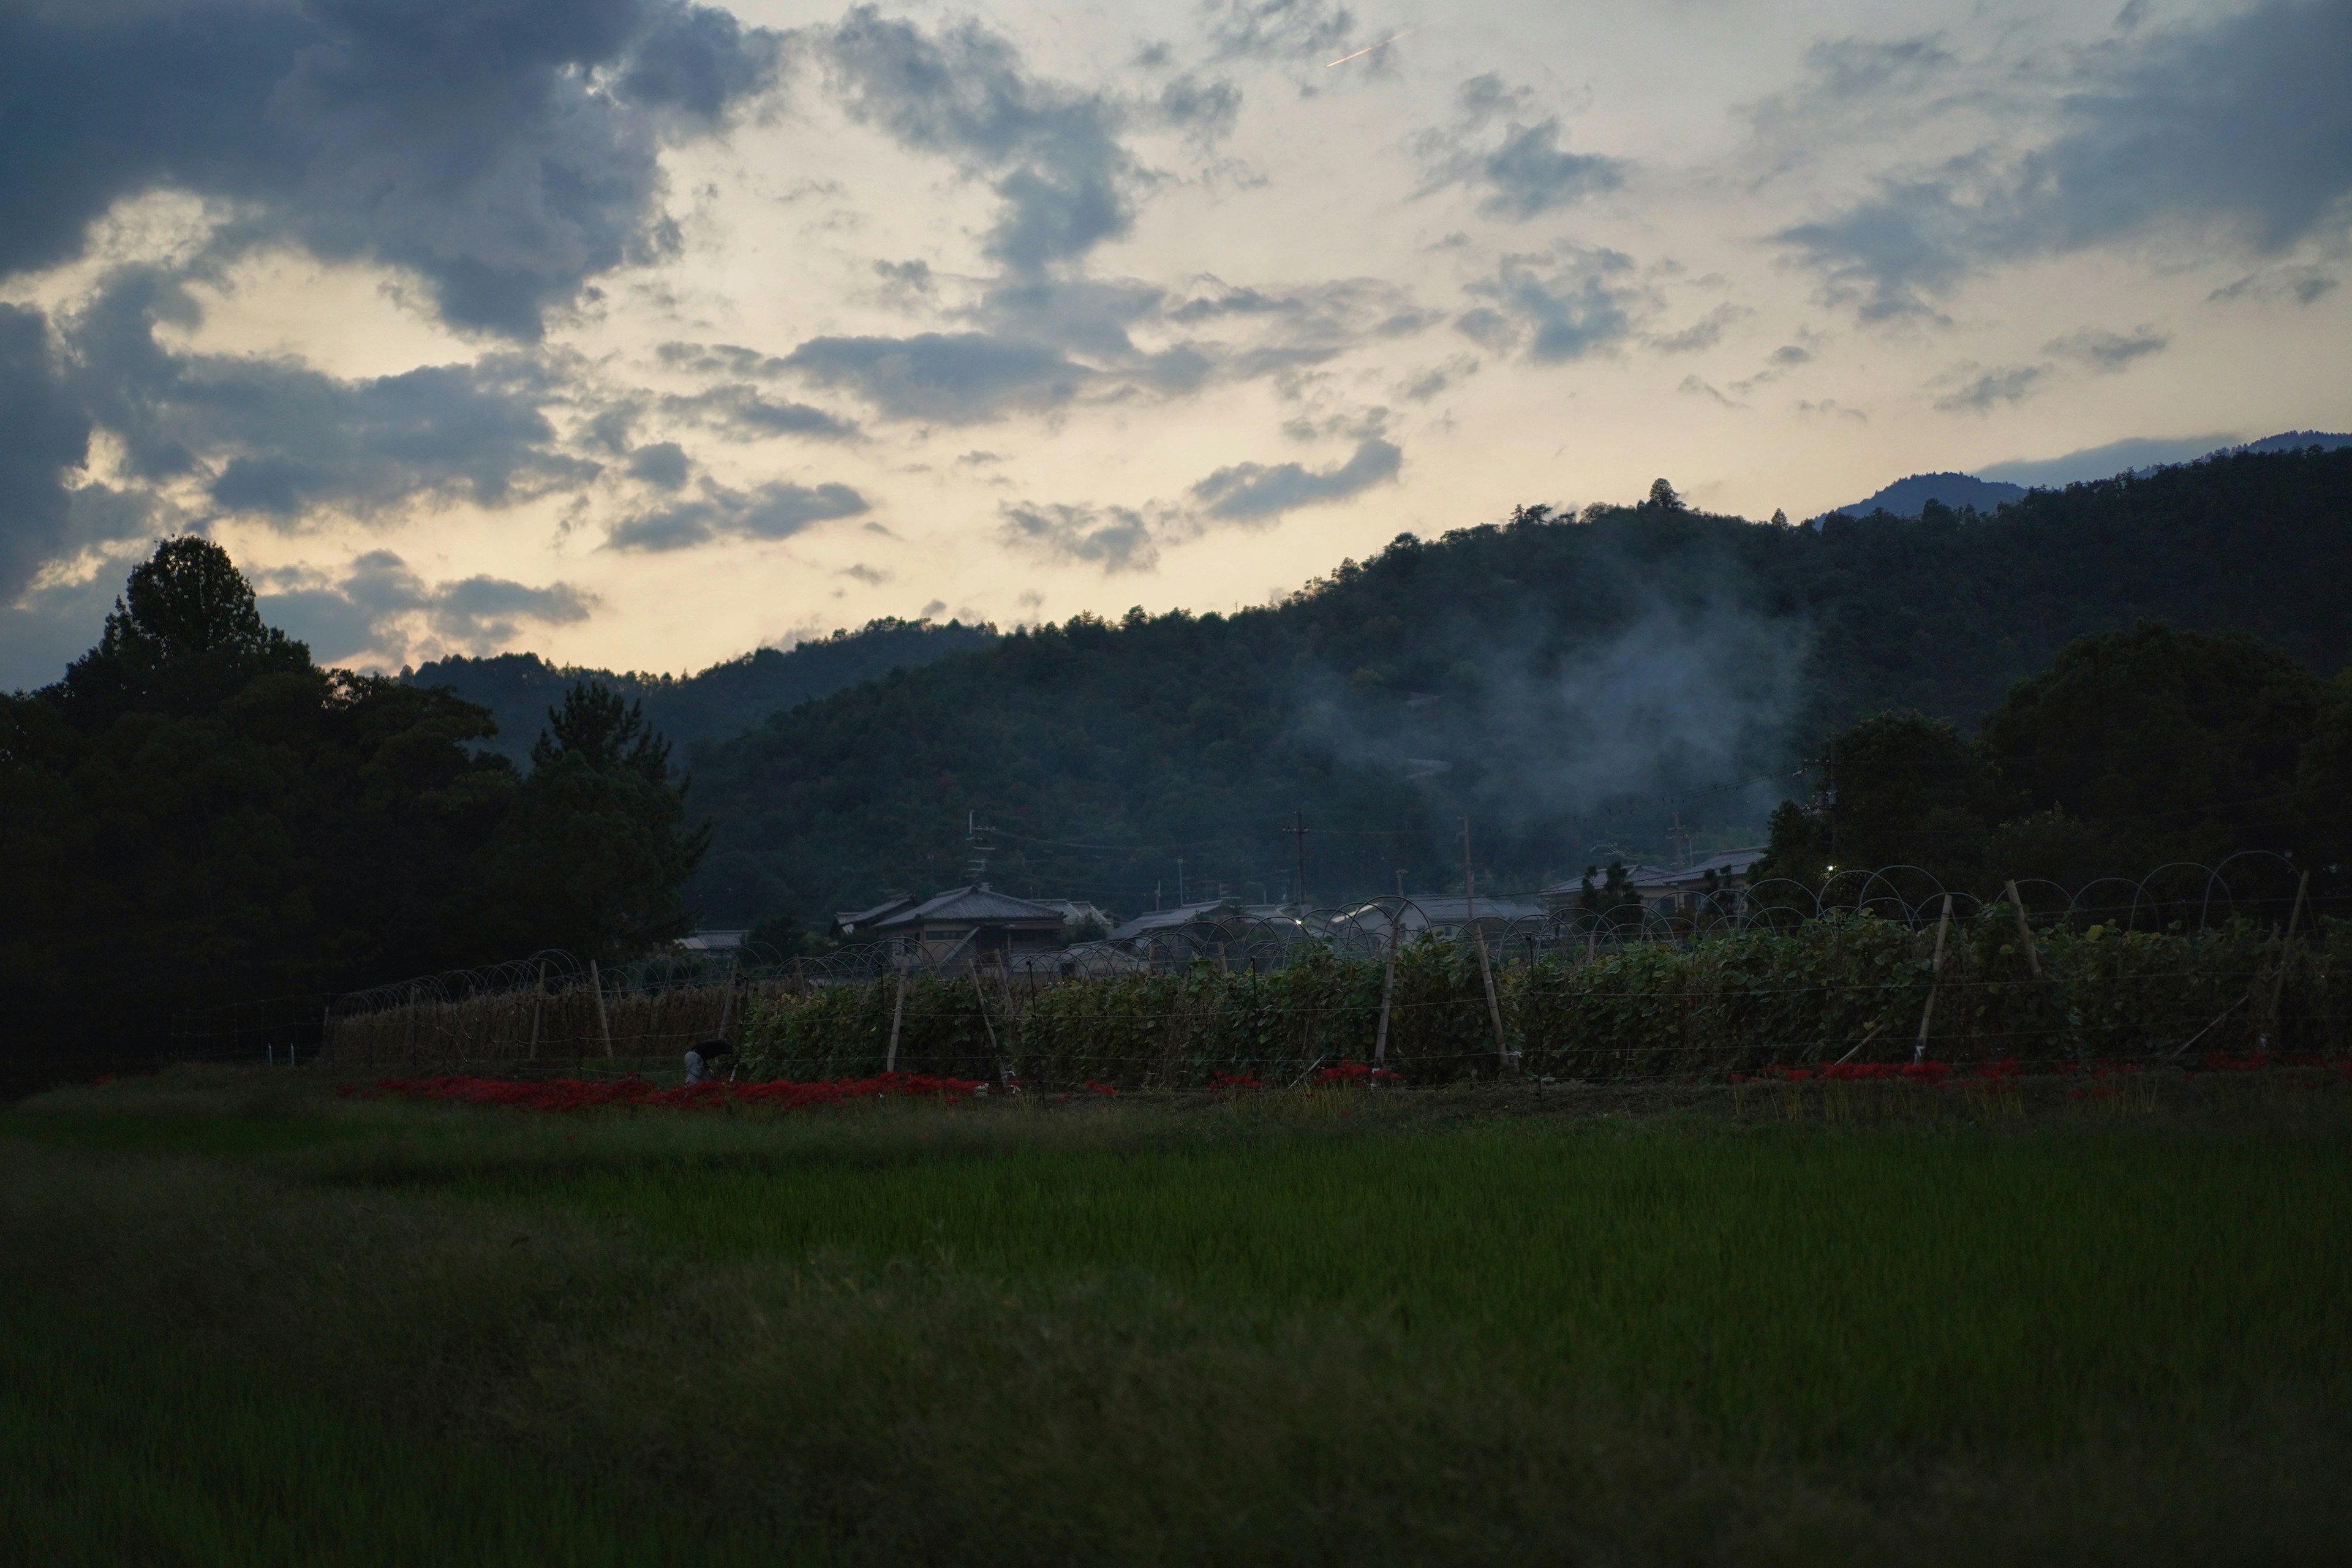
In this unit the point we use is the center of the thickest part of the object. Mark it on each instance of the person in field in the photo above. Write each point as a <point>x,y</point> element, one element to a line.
<point>702,1061</point>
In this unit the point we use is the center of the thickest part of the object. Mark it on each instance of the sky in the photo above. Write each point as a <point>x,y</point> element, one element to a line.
<point>639,333</point>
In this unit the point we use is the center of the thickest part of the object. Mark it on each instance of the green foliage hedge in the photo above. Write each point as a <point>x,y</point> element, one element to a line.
<point>1736,1002</point>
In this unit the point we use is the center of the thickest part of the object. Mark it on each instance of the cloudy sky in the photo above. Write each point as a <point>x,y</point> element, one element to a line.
<point>641,333</point>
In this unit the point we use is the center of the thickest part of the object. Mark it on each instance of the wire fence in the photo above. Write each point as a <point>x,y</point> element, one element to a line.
<point>2188,963</point>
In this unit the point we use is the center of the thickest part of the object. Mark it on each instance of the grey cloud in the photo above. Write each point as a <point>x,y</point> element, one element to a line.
<point>1053,152</point>
<point>2303,284</point>
<point>44,432</point>
<point>1525,175</point>
<point>1204,111</point>
<point>1559,307</point>
<point>1256,492</point>
<point>507,154</point>
<point>731,359</point>
<point>2106,352</point>
<point>740,412</point>
<point>2105,462</point>
<point>1693,386</point>
<point>857,571</point>
<point>776,510</point>
<point>1437,378</point>
<point>1116,538</point>
<point>364,612</point>
<point>1703,333</point>
<point>1830,408</point>
<point>278,439</point>
<point>1977,391</point>
<point>662,464</point>
<point>953,378</point>
<point>2239,126</point>
<point>1280,29</point>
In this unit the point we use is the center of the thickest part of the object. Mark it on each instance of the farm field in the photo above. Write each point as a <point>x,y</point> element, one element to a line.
<point>1858,1323</point>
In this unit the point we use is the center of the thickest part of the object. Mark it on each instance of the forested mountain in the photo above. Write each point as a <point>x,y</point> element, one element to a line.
<point>1908,497</point>
<point>519,687</point>
<point>1569,686</point>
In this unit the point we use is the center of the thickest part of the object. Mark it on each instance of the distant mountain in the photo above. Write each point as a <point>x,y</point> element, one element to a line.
<point>519,688</point>
<point>1596,686</point>
<point>2004,482</point>
<point>1905,498</point>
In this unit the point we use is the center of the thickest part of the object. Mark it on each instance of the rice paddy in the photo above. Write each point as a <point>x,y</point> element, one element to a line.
<point>1460,1327</point>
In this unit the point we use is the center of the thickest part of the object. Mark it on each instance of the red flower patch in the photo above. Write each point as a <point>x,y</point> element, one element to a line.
<point>583,1094</point>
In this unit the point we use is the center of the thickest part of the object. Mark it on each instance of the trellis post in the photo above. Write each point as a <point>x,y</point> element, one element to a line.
<point>1934,980</point>
<point>604,1020</point>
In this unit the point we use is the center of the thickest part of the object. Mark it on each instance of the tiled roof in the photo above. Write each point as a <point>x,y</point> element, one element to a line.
<point>977,903</point>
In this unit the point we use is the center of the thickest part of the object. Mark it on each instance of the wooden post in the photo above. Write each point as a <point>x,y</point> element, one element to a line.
<point>727,1000</point>
<point>1387,989</point>
<point>1935,979</point>
<point>2278,983</point>
<point>1004,1072</point>
<point>538,995</point>
<point>2024,932</point>
<point>1486,966</point>
<point>604,1020</point>
<point>800,977</point>
<point>897,1013</point>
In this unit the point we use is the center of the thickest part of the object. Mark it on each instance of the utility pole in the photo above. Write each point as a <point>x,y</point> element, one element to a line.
<point>1180,881</point>
<point>1299,834</point>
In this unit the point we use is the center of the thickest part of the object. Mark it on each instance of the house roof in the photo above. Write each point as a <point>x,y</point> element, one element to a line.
<point>1423,913</point>
<point>977,903</point>
<point>1659,879</point>
<point>850,919</point>
<point>1157,921</point>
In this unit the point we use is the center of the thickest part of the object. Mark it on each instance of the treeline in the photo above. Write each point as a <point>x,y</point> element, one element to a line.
<point>2134,749</point>
<point>1205,736</point>
<point>198,812</point>
<point>724,700</point>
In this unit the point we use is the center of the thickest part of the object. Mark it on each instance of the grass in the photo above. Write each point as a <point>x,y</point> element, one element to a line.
<point>1305,1328</point>
<point>118,1448</point>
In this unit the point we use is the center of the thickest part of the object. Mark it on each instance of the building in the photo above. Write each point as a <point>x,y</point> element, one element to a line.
<point>857,925</point>
<point>1451,916</point>
<point>966,926</point>
<point>1168,924</point>
<point>1718,881</point>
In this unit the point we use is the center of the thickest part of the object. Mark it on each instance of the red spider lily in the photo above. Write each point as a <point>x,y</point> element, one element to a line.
<point>1236,1083</point>
<point>1349,1074</point>
<point>1104,1089</point>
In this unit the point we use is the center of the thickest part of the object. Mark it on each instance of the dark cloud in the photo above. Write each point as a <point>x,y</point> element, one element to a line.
<point>1561,306</point>
<point>1116,538</point>
<point>730,359</point>
<point>953,378</point>
<point>2105,462</point>
<point>44,435</point>
<point>1051,151</point>
<point>1248,492</point>
<point>2106,352</point>
<point>771,511</point>
<point>369,611</point>
<point>1693,386</point>
<point>662,464</point>
<point>2239,127</point>
<point>740,412</point>
<point>1703,333</point>
<point>1281,29</point>
<point>1206,111</point>
<point>278,439</point>
<point>506,152</point>
<point>857,571</point>
<point>1978,391</point>
<point>1524,173</point>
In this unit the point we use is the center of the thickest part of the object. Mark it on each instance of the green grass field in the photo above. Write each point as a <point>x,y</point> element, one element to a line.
<point>1460,1327</point>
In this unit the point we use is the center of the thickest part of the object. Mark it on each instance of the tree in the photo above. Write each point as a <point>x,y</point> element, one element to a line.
<point>1662,497</point>
<point>1907,790</point>
<point>597,849</point>
<point>198,813</point>
<point>2173,745</point>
